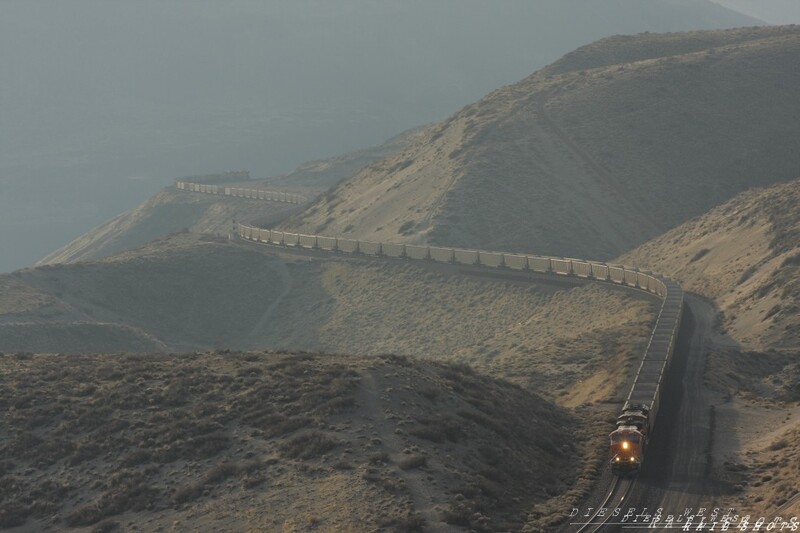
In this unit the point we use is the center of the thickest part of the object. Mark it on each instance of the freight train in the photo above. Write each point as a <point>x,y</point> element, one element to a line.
<point>635,422</point>
<point>637,419</point>
<point>634,425</point>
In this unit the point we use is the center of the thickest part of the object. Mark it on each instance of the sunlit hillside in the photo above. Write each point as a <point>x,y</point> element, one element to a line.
<point>608,147</point>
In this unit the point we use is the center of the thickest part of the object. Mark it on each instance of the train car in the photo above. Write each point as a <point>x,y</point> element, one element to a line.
<point>635,423</point>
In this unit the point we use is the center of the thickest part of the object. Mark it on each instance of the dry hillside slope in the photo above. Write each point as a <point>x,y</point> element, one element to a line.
<point>745,256</point>
<point>267,442</point>
<point>593,155</point>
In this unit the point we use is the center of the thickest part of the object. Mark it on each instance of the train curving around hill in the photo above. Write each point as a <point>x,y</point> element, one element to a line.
<point>628,441</point>
<point>635,424</point>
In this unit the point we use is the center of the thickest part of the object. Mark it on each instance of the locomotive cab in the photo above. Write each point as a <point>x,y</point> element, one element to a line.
<point>627,450</point>
<point>629,440</point>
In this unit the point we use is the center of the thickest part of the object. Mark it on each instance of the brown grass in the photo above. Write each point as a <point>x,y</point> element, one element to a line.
<point>109,441</point>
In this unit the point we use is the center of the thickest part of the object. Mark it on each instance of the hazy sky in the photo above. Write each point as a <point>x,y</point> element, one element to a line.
<point>103,102</point>
<point>772,11</point>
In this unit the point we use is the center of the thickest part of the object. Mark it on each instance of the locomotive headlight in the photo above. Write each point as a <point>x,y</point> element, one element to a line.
<point>625,445</point>
<point>633,459</point>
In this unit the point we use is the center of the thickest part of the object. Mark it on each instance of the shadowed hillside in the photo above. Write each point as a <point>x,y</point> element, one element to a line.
<point>276,442</point>
<point>593,155</point>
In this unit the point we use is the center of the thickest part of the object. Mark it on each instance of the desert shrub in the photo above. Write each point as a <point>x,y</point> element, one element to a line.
<point>126,491</point>
<point>412,461</point>
<point>793,260</point>
<point>406,227</point>
<point>307,446</point>
<point>747,274</point>
<point>106,526</point>
<point>379,458</point>
<point>778,445</point>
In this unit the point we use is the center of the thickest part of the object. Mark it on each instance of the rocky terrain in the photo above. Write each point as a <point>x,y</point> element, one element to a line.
<point>592,155</point>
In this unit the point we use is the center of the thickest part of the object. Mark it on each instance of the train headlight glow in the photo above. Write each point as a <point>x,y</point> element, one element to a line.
<point>617,459</point>
<point>633,459</point>
<point>625,445</point>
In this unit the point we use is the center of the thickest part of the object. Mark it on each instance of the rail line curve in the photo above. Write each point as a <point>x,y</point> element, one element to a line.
<point>648,382</point>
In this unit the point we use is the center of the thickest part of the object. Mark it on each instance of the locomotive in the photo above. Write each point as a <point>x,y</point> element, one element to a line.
<point>629,440</point>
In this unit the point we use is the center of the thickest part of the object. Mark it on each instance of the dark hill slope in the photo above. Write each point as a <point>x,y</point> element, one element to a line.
<point>266,442</point>
<point>609,147</point>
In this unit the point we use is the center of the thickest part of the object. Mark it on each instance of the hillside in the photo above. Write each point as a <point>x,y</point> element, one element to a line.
<point>744,256</point>
<point>191,292</point>
<point>305,84</point>
<point>592,155</point>
<point>167,212</point>
<point>268,442</point>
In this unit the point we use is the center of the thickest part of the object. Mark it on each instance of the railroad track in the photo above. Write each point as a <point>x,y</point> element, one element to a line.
<point>620,489</point>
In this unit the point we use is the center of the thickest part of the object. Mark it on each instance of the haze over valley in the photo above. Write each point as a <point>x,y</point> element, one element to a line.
<point>105,103</point>
<point>428,266</point>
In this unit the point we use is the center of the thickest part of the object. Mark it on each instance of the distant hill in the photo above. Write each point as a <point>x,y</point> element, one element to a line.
<point>167,212</point>
<point>171,210</point>
<point>268,442</point>
<point>610,146</point>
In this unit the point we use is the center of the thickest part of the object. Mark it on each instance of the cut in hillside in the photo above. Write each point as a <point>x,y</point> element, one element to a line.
<point>231,441</point>
<point>744,255</point>
<point>611,146</point>
<point>167,212</point>
<point>190,292</point>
